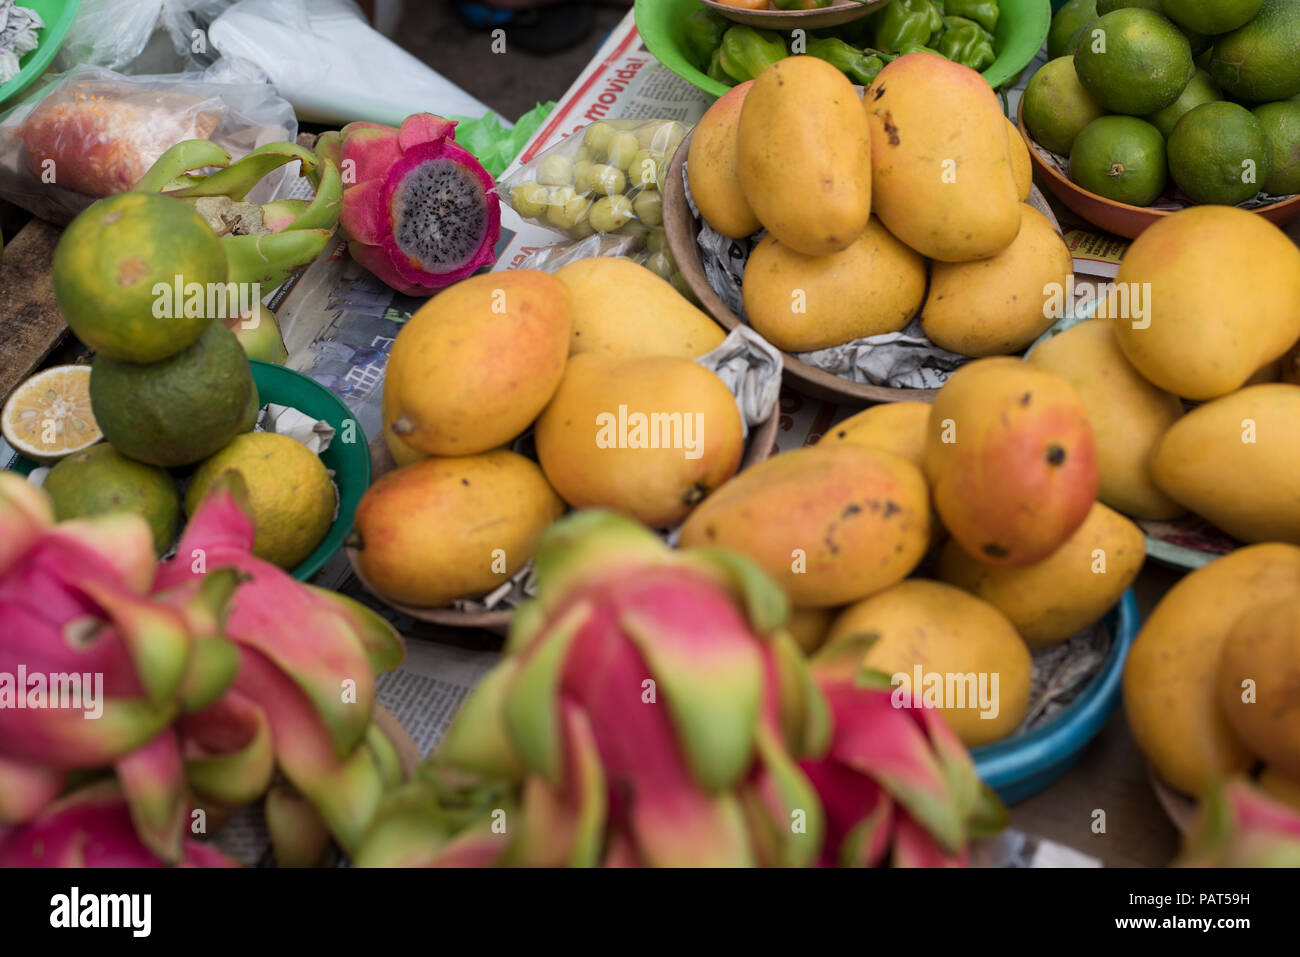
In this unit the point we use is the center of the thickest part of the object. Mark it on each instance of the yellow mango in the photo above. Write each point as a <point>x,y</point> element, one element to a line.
<point>476,363</point>
<point>941,171</point>
<point>1021,168</point>
<point>448,528</point>
<point>1236,462</point>
<point>1219,298</point>
<point>712,167</point>
<point>801,303</point>
<point>1171,676</point>
<point>997,306</point>
<point>1011,460</point>
<point>897,427</point>
<point>944,631</point>
<point>830,524</point>
<point>649,436</point>
<point>623,310</point>
<point>1259,672</point>
<point>1068,590</point>
<point>1129,415</point>
<point>804,156</point>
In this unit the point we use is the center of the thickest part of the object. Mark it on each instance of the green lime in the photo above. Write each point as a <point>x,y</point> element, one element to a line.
<point>100,480</point>
<point>1202,89</point>
<point>1057,107</point>
<point>1068,25</point>
<point>250,414</point>
<point>1219,153</point>
<point>1107,6</point>
<point>1134,62</point>
<point>1121,158</point>
<point>1281,122</point>
<point>176,411</point>
<point>1260,62</point>
<point>1211,16</point>
<point>111,263</point>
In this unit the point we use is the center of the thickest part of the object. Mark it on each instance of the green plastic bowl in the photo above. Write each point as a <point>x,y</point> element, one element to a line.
<point>58,16</point>
<point>349,461</point>
<point>1021,33</point>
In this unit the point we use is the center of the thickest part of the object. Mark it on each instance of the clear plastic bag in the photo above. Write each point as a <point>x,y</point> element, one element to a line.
<point>649,248</point>
<point>92,132</point>
<point>606,179</point>
<point>109,33</point>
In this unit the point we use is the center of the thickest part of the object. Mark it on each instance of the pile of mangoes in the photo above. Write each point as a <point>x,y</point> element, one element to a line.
<point>863,198</point>
<point>1024,557</point>
<point>597,360</point>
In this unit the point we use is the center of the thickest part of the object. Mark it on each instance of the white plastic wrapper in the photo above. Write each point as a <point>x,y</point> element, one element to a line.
<point>92,132</point>
<point>607,178</point>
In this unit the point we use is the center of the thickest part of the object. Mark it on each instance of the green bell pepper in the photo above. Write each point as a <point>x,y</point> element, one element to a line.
<point>702,34</point>
<point>715,72</point>
<point>857,65</point>
<point>746,52</point>
<point>966,42</point>
<point>907,21</point>
<point>983,12</point>
<point>918,48</point>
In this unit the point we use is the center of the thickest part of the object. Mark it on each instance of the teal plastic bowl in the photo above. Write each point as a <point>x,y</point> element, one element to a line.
<point>349,461</point>
<point>58,16</point>
<point>1021,33</point>
<point>1020,767</point>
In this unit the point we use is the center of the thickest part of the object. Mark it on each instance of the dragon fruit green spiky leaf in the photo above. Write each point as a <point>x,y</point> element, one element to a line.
<point>25,512</point>
<point>305,635</point>
<point>120,539</point>
<point>26,788</point>
<point>187,156</point>
<point>784,811</point>
<point>766,605</point>
<point>155,634</point>
<point>382,644</point>
<point>229,758</point>
<point>802,713</point>
<point>915,846</point>
<point>385,756</point>
<point>859,815</point>
<point>214,661</point>
<point>345,790</point>
<point>299,837</point>
<point>564,826</point>
<point>238,178</point>
<point>92,827</point>
<point>1239,826</point>
<point>420,211</point>
<point>153,783</point>
<point>478,740</point>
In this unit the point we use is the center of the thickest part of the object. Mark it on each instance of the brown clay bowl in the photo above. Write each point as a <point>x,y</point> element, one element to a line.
<point>761,443</point>
<point>808,380</point>
<point>787,20</point>
<point>1121,218</point>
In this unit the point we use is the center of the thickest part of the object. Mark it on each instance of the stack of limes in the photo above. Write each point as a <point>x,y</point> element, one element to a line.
<point>1200,92</point>
<point>169,387</point>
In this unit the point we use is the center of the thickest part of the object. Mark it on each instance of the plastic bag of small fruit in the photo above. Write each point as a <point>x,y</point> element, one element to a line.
<point>605,178</point>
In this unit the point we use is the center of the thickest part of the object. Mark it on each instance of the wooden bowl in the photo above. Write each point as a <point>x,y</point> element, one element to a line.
<point>787,20</point>
<point>760,445</point>
<point>1121,218</point>
<point>808,380</point>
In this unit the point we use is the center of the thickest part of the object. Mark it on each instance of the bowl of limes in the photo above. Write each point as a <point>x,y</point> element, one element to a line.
<point>1138,114</point>
<point>303,501</point>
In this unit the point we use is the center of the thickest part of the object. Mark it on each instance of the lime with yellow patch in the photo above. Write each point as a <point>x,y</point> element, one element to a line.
<point>49,415</point>
<point>117,268</point>
<point>289,492</point>
<point>101,480</point>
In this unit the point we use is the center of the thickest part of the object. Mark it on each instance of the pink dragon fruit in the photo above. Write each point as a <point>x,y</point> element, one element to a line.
<point>651,710</point>
<point>92,827</point>
<point>1238,826</point>
<point>893,779</point>
<point>419,210</point>
<point>216,668</point>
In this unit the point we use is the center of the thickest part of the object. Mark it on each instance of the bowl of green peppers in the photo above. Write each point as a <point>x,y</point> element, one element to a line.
<point>998,38</point>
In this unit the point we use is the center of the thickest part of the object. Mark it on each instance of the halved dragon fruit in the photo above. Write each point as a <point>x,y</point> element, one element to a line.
<point>419,210</point>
